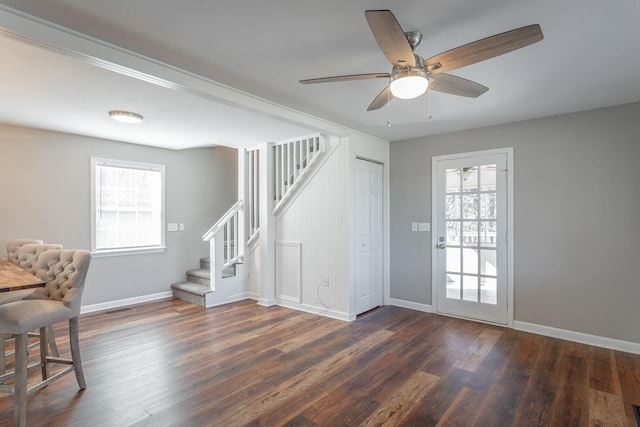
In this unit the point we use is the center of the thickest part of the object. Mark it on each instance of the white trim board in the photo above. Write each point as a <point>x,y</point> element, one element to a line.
<point>411,305</point>
<point>316,310</point>
<point>122,302</point>
<point>579,337</point>
<point>508,152</point>
<point>548,331</point>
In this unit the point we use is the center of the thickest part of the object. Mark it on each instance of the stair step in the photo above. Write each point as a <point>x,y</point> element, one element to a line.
<point>200,276</point>
<point>190,292</point>
<point>205,263</point>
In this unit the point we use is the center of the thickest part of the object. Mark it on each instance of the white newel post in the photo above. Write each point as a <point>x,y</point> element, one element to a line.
<point>267,228</point>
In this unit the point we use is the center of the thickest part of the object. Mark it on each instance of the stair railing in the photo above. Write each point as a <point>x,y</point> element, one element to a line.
<point>292,159</point>
<point>227,231</point>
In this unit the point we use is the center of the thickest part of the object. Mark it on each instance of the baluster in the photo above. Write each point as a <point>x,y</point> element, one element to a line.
<point>289,174</point>
<point>296,152</point>
<point>226,242</point>
<point>282,172</point>
<point>235,235</point>
<point>250,195</point>
<point>256,193</point>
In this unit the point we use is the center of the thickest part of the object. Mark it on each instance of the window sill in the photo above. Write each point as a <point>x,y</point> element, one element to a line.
<point>125,252</point>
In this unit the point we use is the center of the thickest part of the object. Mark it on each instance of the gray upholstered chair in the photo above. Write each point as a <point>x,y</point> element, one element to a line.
<point>64,273</point>
<point>25,256</point>
<point>14,245</point>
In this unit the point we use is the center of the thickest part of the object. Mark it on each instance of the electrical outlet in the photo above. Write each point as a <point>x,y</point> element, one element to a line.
<point>326,281</point>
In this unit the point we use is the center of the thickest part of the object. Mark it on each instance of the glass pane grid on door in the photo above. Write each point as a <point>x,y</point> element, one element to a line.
<point>471,230</point>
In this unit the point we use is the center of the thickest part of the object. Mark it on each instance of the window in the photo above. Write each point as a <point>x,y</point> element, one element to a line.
<point>127,207</point>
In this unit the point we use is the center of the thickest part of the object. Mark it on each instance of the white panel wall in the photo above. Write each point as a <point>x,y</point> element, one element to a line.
<point>253,260</point>
<point>319,219</point>
<point>288,262</point>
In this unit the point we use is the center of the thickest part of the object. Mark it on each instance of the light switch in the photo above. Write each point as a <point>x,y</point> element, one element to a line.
<point>414,226</point>
<point>424,226</point>
<point>181,226</point>
<point>172,226</point>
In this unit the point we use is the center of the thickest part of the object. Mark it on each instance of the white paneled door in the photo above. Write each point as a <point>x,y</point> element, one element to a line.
<point>369,242</point>
<point>471,237</point>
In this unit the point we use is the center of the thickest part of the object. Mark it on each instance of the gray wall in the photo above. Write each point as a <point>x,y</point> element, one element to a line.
<point>45,180</point>
<point>577,217</point>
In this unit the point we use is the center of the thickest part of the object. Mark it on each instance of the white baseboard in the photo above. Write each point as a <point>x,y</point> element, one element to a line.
<point>411,305</point>
<point>227,300</point>
<point>122,302</point>
<point>595,340</point>
<point>338,315</point>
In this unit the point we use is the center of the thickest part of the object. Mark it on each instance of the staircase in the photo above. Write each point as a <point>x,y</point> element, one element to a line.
<point>275,173</point>
<point>198,283</point>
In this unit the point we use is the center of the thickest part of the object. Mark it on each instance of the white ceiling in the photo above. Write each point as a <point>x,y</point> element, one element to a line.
<point>264,48</point>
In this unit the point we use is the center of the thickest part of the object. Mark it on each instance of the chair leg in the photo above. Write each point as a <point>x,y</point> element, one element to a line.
<point>51,339</point>
<point>43,353</point>
<point>3,355</point>
<point>20,391</point>
<point>75,352</point>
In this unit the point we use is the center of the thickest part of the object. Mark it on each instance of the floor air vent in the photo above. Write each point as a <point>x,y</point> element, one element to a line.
<point>117,310</point>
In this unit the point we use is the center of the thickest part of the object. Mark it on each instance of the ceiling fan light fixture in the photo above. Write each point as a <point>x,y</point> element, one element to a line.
<point>126,116</point>
<point>409,84</point>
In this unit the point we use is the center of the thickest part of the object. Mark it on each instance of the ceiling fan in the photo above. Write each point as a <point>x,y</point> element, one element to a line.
<point>411,75</point>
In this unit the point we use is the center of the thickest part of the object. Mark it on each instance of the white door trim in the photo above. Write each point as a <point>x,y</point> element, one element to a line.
<point>508,151</point>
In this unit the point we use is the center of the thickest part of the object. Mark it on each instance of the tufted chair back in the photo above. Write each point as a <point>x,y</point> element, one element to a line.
<point>28,255</point>
<point>64,272</point>
<point>14,245</point>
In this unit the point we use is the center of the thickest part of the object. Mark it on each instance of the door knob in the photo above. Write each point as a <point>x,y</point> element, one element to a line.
<point>441,246</point>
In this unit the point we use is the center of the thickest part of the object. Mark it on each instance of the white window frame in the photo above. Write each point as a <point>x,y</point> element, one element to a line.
<point>129,165</point>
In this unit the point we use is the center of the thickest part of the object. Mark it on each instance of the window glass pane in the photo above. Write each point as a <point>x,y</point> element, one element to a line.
<point>470,179</point>
<point>454,285</point>
<point>470,233</point>
<point>453,260</point>
<point>488,262</point>
<point>488,233</point>
<point>453,181</point>
<point>488,205</point>
<point>470,206</point>
<point>470,261</point>
<point>453,206</point>
<point>453,232</point>
<point>128,204</point>
<point>489,290</point>
<point>470,288</point>
<point>488,178</point>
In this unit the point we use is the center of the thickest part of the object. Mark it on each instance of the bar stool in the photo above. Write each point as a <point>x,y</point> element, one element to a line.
<point>64,273</point>
<point>25,256</point>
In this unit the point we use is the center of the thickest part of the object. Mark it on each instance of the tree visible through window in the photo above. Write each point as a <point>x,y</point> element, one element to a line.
<point>127,206</point>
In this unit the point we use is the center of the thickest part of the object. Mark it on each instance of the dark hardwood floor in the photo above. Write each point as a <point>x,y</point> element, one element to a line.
<point>169,363</point>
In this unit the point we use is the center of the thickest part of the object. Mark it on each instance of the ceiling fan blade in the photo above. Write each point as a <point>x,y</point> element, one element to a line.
<point>483,49</point>
<point>381,100</point>
<point>390,37</point>
<point>456,85</point>
<point>347,78</point>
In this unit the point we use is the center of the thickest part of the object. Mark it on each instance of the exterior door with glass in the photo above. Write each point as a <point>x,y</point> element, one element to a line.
<point>471,237</point>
